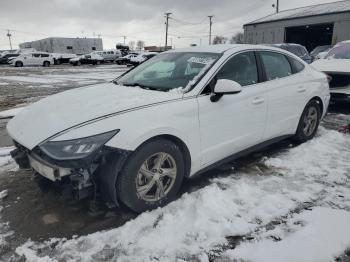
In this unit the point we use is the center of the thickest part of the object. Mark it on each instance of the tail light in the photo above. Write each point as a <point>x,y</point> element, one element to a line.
<point>329,78</point>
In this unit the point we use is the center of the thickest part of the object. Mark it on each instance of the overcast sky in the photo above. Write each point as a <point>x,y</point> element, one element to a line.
<point>136,19</point>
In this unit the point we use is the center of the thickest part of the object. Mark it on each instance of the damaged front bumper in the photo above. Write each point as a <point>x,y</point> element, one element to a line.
<point>80,178</point>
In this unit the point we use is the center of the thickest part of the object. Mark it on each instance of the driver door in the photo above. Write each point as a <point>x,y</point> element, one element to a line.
<point>236,121</point>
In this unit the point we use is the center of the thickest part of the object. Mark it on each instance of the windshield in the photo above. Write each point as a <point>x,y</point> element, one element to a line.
<point>320,49</point>
<point>169,71</point>
<point>340,51</point>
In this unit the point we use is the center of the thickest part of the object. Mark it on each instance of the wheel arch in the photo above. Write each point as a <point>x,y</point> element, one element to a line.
<point>180,143</point>
<point>320,102</point>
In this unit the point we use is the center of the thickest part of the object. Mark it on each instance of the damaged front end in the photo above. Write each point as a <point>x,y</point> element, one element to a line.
<point>81,167</point>
<point>339,84</point>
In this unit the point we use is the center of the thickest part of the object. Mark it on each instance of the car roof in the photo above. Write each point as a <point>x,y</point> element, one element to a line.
<point>222,48</point>
<point>287,44</point>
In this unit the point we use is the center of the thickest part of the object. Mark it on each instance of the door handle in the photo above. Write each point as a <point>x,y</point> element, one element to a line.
<point>301,89</point>
<point>258,100</point>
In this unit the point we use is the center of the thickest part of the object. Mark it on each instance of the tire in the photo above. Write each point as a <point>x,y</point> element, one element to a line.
<point>98,62</point>
<point>46,64</point>
<point>18,64</point>
<point>309,122</point>
<point>131,183</point>
<point>78,63</point>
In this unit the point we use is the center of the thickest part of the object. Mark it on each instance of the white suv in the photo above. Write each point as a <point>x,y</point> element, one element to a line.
<point>174,116</point>
<point>31,59</point>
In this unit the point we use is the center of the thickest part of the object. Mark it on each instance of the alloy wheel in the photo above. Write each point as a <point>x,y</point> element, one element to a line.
<point>310,121</point>
<point>156,177</point>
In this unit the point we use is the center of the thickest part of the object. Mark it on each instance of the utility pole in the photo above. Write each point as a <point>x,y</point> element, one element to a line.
<point>124,38</point>
<point>9,36</point>
<point>277,6</point>
<point>166,30</point>
<point>210,24</point>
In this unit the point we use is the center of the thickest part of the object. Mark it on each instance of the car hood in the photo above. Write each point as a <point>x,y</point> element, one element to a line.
<point>59,112</point>
<point>332,65</point>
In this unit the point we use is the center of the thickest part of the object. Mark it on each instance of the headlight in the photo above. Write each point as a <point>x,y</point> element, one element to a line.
<point>77,148</point>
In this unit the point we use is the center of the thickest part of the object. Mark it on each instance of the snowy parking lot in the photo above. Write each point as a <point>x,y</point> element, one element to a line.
<point>285,203</point>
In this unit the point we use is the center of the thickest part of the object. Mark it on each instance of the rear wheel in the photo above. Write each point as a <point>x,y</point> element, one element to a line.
<point>18,64</point>
<point>46,64</point>
<point>309,122</point>
<point>78,63</point>
<point>152,176</point>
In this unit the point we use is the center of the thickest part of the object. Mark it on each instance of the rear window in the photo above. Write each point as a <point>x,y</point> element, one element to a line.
<point>340,51</point>
<point>276,65</point>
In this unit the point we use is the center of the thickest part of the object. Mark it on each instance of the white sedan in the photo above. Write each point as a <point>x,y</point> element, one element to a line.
<point>178,114</point>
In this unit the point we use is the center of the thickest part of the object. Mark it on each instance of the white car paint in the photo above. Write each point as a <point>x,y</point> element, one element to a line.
<point>108,55</point>
<point>33,58</point>
<point>332,65</point>
<point>92,56</point>
<point>211,131</point>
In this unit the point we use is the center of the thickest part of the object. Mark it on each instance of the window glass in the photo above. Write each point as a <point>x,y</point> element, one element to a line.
<point>276,65</point>
<point>170,70</point>
<point>69,47</point>
<point>44,55</point>
<point>339,51</point>
<point>36,55</point>
<point>93,48</point>
<point>241,68</point>
<point>297,66</point>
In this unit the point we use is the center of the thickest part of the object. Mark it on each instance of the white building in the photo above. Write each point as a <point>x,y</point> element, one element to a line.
<point>65,45</point>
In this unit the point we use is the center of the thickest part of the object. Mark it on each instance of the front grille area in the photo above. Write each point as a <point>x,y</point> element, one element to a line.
<point>339,80</point>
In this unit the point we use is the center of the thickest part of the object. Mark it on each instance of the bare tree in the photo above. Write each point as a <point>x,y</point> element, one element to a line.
<point>238,38</point>
<point>132,45</point>
<point>140,44</point>
<point>219,40</point>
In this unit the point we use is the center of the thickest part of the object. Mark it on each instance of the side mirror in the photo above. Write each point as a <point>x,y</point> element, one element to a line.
<point>225,87</point>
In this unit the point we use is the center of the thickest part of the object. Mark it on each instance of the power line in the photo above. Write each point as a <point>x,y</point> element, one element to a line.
<point>186,22</point>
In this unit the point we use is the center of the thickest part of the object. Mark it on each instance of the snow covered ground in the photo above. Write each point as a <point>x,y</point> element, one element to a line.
<point>29,84</point>
<point>291,206</point>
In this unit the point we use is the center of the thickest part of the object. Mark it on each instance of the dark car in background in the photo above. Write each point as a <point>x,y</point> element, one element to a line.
<point>4,59</point>
<point>90,59</point>
<point>124,60</point>
<point>296,49</point>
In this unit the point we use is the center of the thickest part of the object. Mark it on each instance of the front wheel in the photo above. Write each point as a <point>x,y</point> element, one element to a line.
<point>309,122</point>
<point>152,176</point>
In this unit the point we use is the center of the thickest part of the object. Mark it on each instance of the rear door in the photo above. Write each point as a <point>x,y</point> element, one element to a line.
<point>286,89</point>
<point>236,121</point>
<point>29,59</point>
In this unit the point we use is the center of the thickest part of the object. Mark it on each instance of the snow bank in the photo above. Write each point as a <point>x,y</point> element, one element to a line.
<point>11,112</point>
<point>6,161</point>
<point>324,235</point>
<point>233,205</point>
<point>31,79</point>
